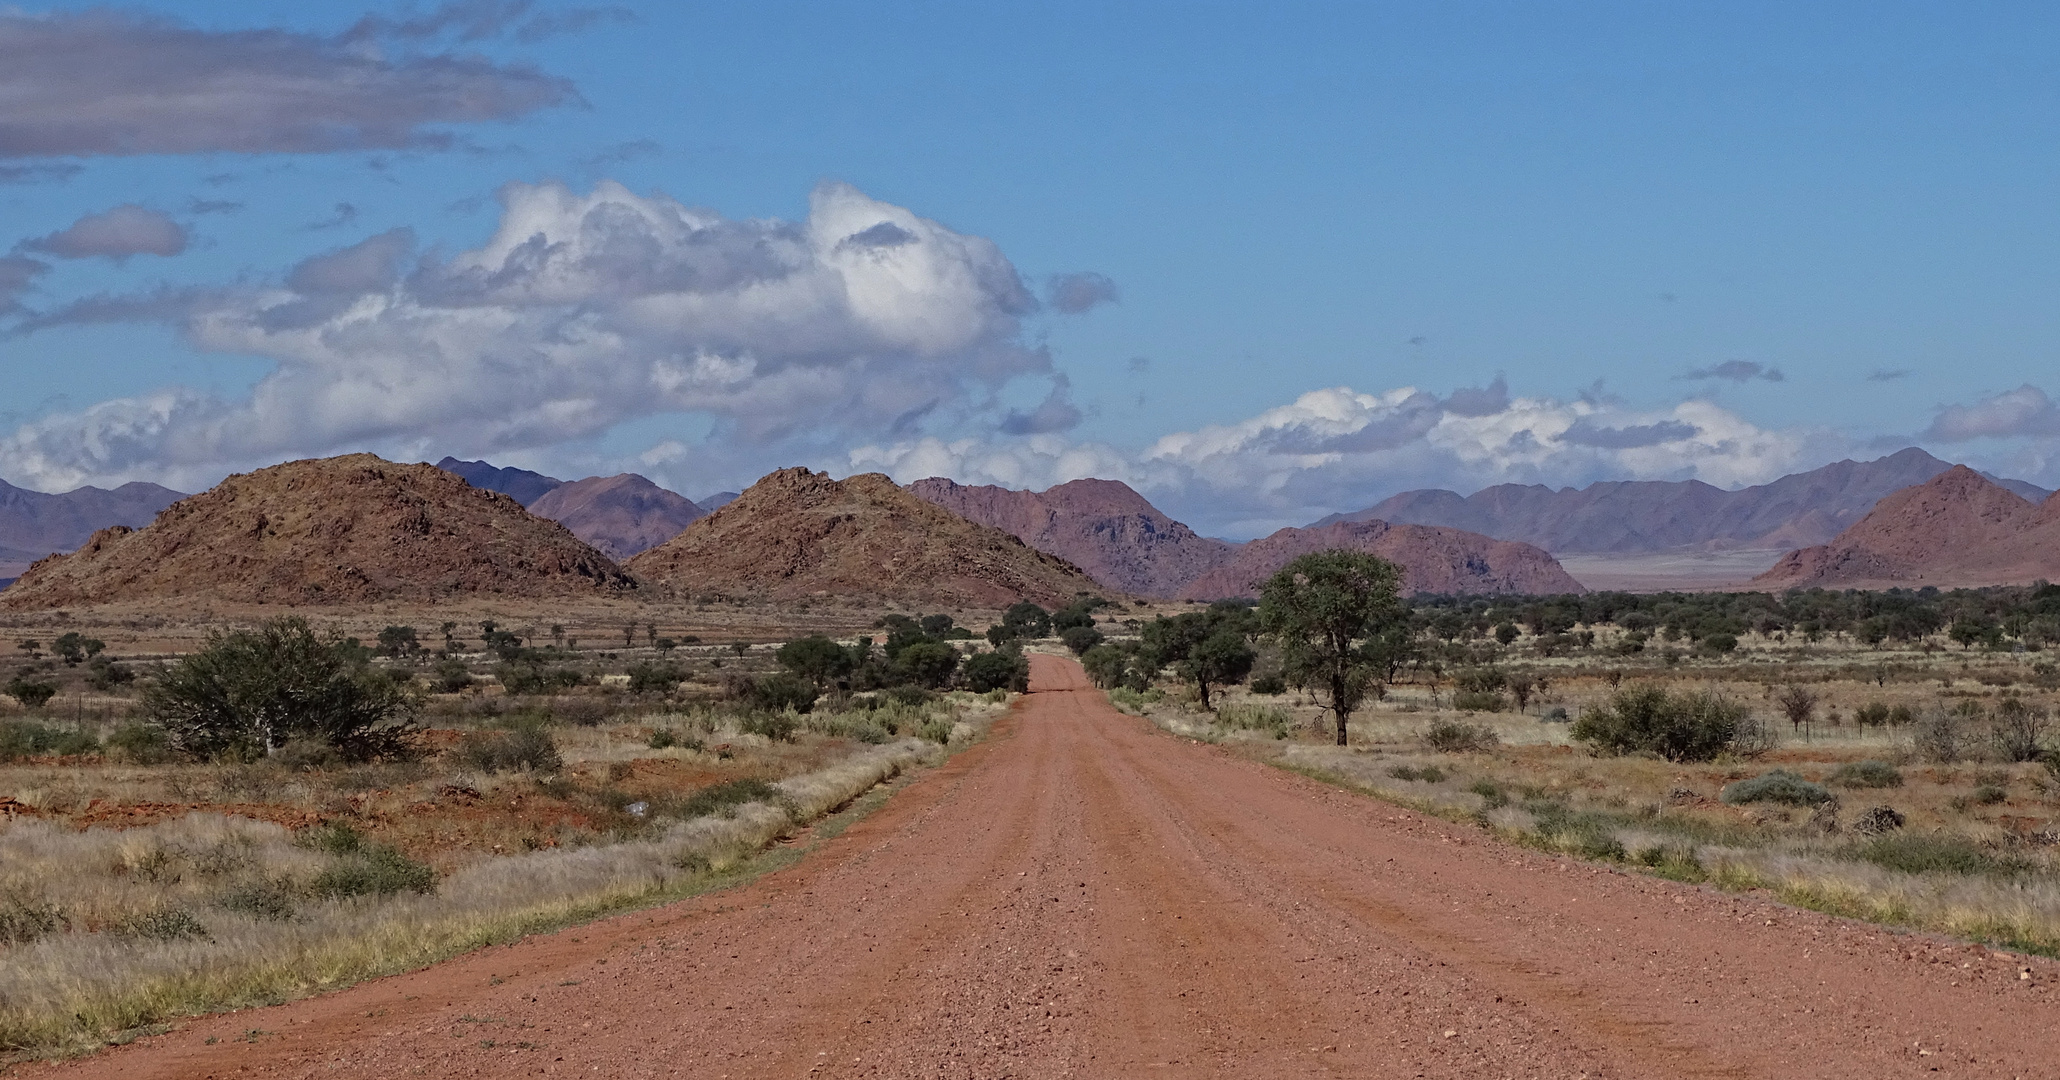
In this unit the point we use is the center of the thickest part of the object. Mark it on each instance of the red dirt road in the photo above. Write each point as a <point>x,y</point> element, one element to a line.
<point>1083,896</point>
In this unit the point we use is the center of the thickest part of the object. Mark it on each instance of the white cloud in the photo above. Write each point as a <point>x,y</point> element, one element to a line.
<point>115,234</point>
<point>1340,449</point>
<point>582,311</point>
<point>2025,411</point>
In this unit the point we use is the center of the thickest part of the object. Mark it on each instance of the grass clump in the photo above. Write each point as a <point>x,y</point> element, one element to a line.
<point>1866,774</point>
<point>163,924</point>
<point>1933,854</point>
<point>1429,774</point>
<point>1271,719</point>
<point>1778,786</point>
<point>724,798</point>
<point>363,868</point>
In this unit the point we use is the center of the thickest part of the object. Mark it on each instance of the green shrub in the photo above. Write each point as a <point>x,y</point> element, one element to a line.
<point>1001,669</point>
<point>105,675</point>
<point>909,696</point>
<point>936,730</point>
<point>530,676</point>
<point>1458,737</point>
<point>1982,795</point>
<point>1271,719</point>
<point>1480,680</point>
<point>31,691</point>
<point>928,664</point>
<point>724,798</point>
<point>1693,726</point>
<point>659,678</point>
<point>1269,685</point>
<point>777,726</point>
<point>1491,792</point>
<point>1867,774</point>
<point>1777,786</point>
<point>778,692</point>
<point>27,738</point>
<point>1477,701</point>
<point>249,692</point>
<point>1429,774</point>
<point>1081,638</point>
<point>451,676</point>
<point>526,747</point>
<point>1124,697</point>
<point>141,744</point>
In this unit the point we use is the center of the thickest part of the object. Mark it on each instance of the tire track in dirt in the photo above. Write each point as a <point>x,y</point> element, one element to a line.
<point>1081,895</point>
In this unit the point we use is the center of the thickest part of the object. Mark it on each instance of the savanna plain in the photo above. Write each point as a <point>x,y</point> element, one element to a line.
<point>1680,834</point>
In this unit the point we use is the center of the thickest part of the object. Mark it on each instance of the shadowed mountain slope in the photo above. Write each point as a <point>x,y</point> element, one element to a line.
<point>349,529</point>
<point>1100,526</point>
<point>621,515</point>
<point>520,485</point>
<point>797,534</point>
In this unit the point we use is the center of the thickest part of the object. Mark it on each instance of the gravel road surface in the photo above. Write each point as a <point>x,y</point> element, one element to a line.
<point>1081,895</point>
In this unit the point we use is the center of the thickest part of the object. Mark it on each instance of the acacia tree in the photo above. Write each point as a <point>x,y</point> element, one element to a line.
<point>1205,648</point>
<point>1321,608</point>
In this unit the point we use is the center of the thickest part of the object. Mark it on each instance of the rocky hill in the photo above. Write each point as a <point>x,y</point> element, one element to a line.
<point>34,524</point>
<point>1100,526</point>
<point>521,485</point>
<point>1635,516</point>
<point>1433,560</point>
<point>1956,529</point>
<point>621,515</point>
<point>797,535</point>
<point>350,529</point>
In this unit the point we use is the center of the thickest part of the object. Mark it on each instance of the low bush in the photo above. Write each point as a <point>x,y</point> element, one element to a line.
<point>1778,786</point>
<point>263,899</point>
<point>777,692</point>
<point>527,747</point>
<point>1490,792</point>
<point>659,678</point>
<point>31,691</point>
<point>25,918</point>
<point>1459,737</point>
<point>1866,774</point>
<point>1271,719</point>
<point>1269,685</point>
<point>777,726</point>
<point>141,744</point>
<point>28,738</point>
<point>1695,726</point>
<point>1429,774</point>
<point>532,677</point>
<point>1982,795</point>
<point>1478,701</point>
<point>936,730</point>
<point>1876,820</point>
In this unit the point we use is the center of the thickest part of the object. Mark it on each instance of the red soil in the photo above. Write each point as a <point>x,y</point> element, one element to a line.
<point>1083,896</point>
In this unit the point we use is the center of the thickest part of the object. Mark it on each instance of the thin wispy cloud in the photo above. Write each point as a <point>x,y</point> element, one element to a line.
<point>1889,375</point>
<point>1738,371</point>
<point>115,234</point>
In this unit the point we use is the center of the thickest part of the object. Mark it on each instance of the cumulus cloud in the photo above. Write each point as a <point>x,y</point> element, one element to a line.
<point>104,82</point>
<point>1340,449</point>
<point>581,311</point>
<point>115,234</point>
<point>1072,294</point>
<point>2025,411</point>
<point>1737,371</point>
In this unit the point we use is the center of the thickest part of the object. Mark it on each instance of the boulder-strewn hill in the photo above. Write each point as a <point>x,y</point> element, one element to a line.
<point>34,524</point>
<point>621,515</point>
<point>521,485</point>
<point>1956,529</point>
<point>797,534</point>
<point>1433,560</point>
<point>1100,526</point>
<point>1628,516</point>
<point>336,530</point>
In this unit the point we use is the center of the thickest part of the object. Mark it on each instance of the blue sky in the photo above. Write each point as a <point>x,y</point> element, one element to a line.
<point>1338,250</point>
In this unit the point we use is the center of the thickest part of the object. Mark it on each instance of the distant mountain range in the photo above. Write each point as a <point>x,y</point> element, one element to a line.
<point>34,524</point>
<point>1797,510</point>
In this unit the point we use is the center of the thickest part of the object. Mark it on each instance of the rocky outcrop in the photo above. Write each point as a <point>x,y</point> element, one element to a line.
<point>342,530</point>
<point>798,535</point>
<point>1958,529</point>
